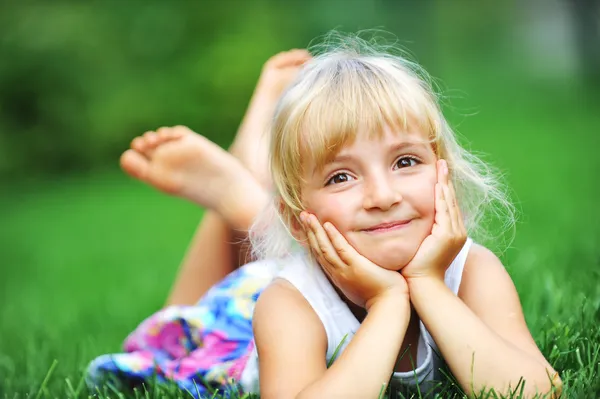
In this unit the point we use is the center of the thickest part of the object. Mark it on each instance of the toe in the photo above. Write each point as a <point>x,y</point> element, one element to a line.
<point>139,144</point>
<point>164,131</point>
<point>135,164</point>
<point>179,130</point>
<point>171,133</point>
<point>151,139</point>
<point>299,56</point>
<point>290,58</point>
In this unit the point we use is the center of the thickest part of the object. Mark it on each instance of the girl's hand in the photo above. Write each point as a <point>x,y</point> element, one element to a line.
<point>359,279</point>
<point>447,237</point>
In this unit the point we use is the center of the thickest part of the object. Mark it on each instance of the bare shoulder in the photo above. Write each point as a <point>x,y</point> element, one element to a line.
<point>290,340</point>
<point>488,290</point>
<point>478,253</point>
<point>484,276</point>
<point>281,303</point>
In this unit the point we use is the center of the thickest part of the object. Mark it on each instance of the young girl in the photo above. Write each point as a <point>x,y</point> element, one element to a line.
<point>383,280</point>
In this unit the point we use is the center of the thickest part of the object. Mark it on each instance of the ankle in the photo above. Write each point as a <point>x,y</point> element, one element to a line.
<point>242,204</point>
<point>266,94</point>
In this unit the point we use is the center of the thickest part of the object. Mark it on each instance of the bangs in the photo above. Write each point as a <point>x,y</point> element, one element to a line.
<point>360,97</point>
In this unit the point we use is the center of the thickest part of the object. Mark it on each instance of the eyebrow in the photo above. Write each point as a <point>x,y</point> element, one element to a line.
<point>403,146</point>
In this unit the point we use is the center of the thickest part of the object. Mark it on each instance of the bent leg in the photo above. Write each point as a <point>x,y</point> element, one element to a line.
<point>208,259</point>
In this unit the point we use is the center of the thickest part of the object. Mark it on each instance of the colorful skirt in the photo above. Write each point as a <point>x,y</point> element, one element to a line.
<point>200,348</point>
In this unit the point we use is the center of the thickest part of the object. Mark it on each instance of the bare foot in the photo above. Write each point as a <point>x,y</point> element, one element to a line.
<point>183,163</point>
<point>251,145</point>
<point>279,71</point>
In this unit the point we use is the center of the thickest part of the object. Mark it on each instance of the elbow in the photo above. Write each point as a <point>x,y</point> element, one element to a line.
<point>556,386</point>
<point>551,388</point>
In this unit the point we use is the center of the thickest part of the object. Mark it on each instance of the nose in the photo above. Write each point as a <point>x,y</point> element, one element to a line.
<point>379,193</point>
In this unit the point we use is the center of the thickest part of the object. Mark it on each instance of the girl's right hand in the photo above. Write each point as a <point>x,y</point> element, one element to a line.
<point>359,279</point>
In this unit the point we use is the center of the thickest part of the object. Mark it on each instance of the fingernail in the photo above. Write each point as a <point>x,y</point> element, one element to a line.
<point>445,166</point>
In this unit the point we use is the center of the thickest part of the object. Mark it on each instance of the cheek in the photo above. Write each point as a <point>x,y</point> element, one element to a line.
<point>424,197</point>
<point>330,208</point>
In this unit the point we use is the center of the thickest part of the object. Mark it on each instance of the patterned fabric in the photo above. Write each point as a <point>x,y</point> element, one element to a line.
<point>200,348</point>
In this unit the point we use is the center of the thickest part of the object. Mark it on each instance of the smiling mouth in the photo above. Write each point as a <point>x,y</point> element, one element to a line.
<point>384,227</point>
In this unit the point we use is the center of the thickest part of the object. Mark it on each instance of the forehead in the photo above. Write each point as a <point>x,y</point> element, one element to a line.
<point>389,138</point>
<point>364,141</point>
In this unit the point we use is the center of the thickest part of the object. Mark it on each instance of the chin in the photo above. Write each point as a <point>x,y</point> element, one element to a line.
<point>391,252</point>
<point>392,259</point>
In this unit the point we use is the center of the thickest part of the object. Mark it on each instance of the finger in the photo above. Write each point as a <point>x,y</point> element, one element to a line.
<point>328,251</point>
<point>312,239</point>
<point>442,218</point>
<point>458,218</point>
<point>310,235</point>
<point>451,206</point>
<point>344,250</point>
<point>312,242</point>
<point>328,272</point>
<point>327,266</point>
<point>319,256</point>
<point>442,171</point>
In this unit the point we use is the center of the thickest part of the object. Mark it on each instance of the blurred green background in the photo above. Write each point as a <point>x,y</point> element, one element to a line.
<point>87,253</point>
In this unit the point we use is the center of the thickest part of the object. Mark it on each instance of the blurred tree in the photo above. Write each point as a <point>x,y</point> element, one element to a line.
<point>78,80</point>
<point>586,14</point>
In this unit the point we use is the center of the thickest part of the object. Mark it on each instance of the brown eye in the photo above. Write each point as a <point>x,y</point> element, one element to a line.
<point>406,162</point>
<point>339,178</point>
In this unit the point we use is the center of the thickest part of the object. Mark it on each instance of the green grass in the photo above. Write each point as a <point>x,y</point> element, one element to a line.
<point>85,258</point>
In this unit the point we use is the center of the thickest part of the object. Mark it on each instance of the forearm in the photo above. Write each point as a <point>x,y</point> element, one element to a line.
<point>478,357</point>
<point>367,363</point>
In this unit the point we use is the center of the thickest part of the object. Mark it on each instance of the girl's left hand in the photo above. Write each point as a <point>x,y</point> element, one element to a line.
<point>448,234</point>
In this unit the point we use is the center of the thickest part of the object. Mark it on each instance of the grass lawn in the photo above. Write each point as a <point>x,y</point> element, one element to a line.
<point>85,258</point>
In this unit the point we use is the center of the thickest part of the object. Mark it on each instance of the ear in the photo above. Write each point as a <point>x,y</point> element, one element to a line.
<point>295,226</point>
<point>298,231</point>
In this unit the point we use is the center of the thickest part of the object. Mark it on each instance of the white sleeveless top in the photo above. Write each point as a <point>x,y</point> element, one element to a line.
<point>340,324</point>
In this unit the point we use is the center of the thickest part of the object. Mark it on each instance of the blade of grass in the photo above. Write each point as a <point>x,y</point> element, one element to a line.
<point>46,379</point>
<point>337,349</point>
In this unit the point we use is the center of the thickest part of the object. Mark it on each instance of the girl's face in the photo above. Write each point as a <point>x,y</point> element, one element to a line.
<point>379,194</point>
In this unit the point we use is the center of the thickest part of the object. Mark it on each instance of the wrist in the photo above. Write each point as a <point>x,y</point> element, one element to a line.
<point>424,277</point>
<point>397,299</point>
<point>422,287</point>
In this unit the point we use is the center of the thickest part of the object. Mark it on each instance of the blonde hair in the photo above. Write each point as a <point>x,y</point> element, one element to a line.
<point>354,85</point>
